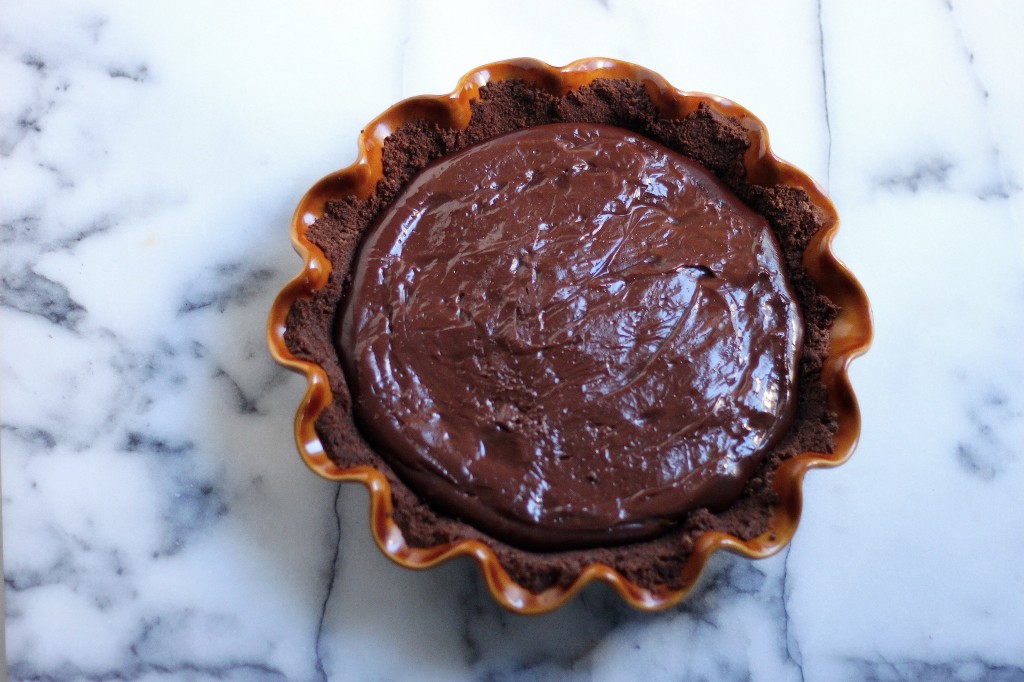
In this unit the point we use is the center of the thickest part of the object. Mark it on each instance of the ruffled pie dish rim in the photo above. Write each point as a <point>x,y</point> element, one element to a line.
<point>850,334</point>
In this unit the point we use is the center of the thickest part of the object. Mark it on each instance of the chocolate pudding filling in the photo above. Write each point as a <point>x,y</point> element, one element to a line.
<point>587,343</point>
<point>570,336</point>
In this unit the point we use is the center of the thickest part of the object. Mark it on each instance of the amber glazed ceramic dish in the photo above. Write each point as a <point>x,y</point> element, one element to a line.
<point>849,335</point>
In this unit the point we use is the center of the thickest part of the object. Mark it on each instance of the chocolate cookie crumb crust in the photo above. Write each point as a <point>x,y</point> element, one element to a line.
<point>716,142</point>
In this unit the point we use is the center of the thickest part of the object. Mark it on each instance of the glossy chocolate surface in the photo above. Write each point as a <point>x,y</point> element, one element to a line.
<point>571,336</point>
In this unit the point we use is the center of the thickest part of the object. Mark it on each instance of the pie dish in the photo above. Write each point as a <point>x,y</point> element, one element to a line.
<point>336,215</point>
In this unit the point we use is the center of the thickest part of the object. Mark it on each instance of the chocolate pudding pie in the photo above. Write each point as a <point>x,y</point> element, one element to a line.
<point>575,323</point>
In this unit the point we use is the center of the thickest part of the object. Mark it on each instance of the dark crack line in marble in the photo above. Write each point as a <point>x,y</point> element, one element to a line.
<point>22,672</point>
<point>883,668</point>
<point>243,403</point>
<point>792,647</point>
<point>317,649</point>
<point>1003,189</point>
<point>979,84</point>
<point>472,610</point>
<point>824,93</point>
<point>250,404</point>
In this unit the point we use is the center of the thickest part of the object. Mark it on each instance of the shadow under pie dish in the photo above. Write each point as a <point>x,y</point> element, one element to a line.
<point>576,324</point>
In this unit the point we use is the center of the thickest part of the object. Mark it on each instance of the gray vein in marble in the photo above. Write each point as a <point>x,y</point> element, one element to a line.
<point>64,181</point>
<point>29,292</point>
<point>927,173</point>
<point>80,565</point>
<point>968,52</point>
<point>34,61</point>
<point>123,404</point>
<point>1004,185</point>
<point>192,503</point>
<point>332,577</point>
<point>144,375</point>
<point>498,645</point>
<point>224,285</point>
<point>103,223</point>
<point>734,577</point>
<point>28,240</point>
<point>245,403</point>
<point>153,645</point>
<point>29,120</point>
<point>824,93</point>
<point>791,645</point>
<point>138,74</point>
<point>19,229</point>
<point>32,435</point>
<point>189,502</point>
<point>748,578</point>
<point>61,570</point>
<point>140,442</point>
<point>971,669</point>
<point>94,27</point>
<point>233,670</point>
<point>985,452</point>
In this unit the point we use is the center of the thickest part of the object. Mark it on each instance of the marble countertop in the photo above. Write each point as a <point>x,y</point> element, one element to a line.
<point>157,521</point>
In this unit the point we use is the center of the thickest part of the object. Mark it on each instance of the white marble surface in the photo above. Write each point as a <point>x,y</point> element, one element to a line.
<point>158,523</point>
